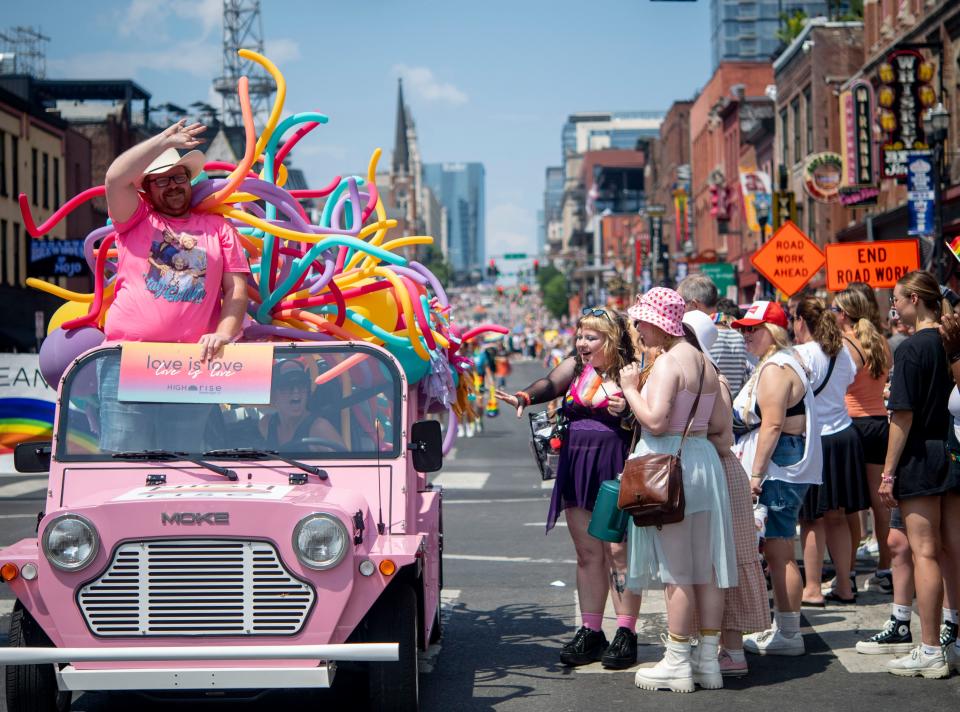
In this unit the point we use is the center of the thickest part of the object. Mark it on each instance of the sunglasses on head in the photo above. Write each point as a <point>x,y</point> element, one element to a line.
<point>595,311</point>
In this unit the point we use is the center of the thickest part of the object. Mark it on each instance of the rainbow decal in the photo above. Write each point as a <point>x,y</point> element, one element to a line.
<point>24,419</point>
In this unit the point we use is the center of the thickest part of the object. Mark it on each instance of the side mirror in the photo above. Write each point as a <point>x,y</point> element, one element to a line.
<point>426,443</point>
<point>32,456</point>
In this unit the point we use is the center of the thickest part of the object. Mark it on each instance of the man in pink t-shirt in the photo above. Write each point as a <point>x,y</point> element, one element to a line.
<point>181,274</point>
<point>181,277</point>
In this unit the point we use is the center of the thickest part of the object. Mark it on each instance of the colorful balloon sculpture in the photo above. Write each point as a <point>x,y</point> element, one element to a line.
<point>340,278</point>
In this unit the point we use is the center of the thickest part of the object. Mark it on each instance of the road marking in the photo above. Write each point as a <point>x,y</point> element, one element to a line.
<point>543,524</point>
<point>462,480</point>
<point>841,627</point>
<point>507,559</point>
<point>546,485</point>
<point>428,658</point>
<point>509,500</point>
<point>18,516</point>
<point>15,489</point>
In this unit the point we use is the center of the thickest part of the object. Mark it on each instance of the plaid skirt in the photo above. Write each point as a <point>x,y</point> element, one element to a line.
<point>747,606</point>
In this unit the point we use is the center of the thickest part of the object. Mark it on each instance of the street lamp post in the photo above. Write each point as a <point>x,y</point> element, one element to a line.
<point>936,123</point>
<point>761,203</point>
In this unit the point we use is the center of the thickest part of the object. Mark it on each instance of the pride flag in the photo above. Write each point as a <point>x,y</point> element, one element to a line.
<point>954,246</point>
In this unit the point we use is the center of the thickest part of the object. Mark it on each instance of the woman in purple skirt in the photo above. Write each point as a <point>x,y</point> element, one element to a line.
<point>593,450</point>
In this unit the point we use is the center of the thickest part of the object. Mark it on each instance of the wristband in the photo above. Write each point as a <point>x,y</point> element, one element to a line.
<point>525,396</point>
<point>887,479</point>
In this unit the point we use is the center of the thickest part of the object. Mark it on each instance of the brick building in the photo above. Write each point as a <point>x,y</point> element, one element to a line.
<point>809,75</point>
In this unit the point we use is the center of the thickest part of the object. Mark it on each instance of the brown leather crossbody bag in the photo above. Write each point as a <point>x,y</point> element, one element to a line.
<point>651,486</point>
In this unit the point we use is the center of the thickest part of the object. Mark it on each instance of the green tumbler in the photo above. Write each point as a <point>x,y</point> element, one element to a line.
<point>608,523</point>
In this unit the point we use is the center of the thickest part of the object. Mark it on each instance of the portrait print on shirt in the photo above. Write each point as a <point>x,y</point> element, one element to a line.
<point>177,268</point>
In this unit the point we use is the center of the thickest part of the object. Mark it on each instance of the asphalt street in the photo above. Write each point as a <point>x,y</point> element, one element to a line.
<point>510,603</point>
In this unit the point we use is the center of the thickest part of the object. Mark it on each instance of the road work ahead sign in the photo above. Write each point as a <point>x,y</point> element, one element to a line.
<point>788,259</point>
<point>879,264</point>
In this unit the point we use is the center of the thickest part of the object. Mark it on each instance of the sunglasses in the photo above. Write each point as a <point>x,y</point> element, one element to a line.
<point>179,179</point>
<point>595,311</point>
<point>749,329</point>
<point>835,309</point>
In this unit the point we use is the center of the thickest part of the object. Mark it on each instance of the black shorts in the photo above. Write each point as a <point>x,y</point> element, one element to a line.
<point>874,430</point>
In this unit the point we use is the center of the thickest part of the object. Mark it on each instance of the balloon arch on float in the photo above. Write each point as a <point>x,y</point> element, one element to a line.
<point>339,279</point>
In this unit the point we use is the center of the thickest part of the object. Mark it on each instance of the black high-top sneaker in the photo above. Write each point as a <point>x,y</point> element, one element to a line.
<point>894,639</point>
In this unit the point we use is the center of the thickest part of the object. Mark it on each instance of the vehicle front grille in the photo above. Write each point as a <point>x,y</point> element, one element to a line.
<point>196,587</point>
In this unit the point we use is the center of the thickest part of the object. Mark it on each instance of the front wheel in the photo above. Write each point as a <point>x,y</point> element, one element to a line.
<point>32,688</point>
<point>395,686</point>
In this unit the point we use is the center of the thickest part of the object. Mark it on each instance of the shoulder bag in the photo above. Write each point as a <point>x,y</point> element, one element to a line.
<point>651,486</point>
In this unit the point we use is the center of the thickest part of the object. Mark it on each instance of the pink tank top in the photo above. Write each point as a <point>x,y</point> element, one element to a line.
<point>681,411</point>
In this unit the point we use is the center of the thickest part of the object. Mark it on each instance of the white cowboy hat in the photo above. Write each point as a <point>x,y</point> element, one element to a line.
<point>193,161</point>
<point>703,330</point>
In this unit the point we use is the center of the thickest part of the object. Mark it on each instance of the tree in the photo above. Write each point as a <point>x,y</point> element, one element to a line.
<point>443,270</point>
<point>545,274</point>
<point>555,295</point>
<point>791,26</point>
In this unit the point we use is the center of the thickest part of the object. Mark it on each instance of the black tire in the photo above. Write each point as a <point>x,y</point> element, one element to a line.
<point>32,688</point>
<point>395,686</point>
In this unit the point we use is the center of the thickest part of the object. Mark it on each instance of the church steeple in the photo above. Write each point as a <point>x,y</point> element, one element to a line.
<point>401,148</point>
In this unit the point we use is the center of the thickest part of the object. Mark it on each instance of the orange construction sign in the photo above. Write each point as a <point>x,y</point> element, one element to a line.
<point>879,264</point>
<point>788,259</point>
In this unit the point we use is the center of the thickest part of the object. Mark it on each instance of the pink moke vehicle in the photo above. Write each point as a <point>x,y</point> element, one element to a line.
<point>251,536</point>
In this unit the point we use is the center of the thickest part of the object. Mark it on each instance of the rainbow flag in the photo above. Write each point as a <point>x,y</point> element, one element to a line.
<point>954,246</point>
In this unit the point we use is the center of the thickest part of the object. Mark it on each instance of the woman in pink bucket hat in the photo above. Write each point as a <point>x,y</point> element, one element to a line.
<point>694,559</point>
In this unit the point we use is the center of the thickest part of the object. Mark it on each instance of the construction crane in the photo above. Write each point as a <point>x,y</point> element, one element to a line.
<point>243,29</point>
<point>23,51</point>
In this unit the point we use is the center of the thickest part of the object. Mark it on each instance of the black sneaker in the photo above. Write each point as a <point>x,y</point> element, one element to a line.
<point>894,639</point>
<point>883,583</point>
<point>948,634</point>
<point>586,647</point>
<point>622,651</point>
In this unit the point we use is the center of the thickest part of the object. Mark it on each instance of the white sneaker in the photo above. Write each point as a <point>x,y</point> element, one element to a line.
<point>774,642</point>
<point>918,664</point>
<point>674,672</point>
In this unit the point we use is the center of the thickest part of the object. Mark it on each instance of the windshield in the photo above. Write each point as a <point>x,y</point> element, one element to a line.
<point>325,402</point>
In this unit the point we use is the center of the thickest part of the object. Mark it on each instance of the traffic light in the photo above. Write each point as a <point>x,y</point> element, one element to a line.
<point>536,267</point>
<point>492,269</point>
<point>714,201</point>
<point>524,289</point>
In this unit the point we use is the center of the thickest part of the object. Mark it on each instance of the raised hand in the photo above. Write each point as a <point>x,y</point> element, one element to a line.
<point>182,136</point>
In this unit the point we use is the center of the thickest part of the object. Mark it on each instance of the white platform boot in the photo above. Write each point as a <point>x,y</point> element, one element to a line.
<point>706,664</point>
<point>674,672</point>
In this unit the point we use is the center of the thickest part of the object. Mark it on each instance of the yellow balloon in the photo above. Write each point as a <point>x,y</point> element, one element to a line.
<point>67,312</point>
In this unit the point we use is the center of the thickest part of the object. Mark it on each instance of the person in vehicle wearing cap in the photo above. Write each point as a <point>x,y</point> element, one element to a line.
<point>148,198</point>
<point>783,456</point>
<point>294,427</point>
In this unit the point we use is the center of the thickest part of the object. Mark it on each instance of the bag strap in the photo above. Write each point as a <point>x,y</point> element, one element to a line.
<point>833,362</point>
<point>696,404</point>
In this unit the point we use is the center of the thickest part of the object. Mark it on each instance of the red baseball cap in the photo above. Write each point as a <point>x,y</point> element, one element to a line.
<point>762,312</point>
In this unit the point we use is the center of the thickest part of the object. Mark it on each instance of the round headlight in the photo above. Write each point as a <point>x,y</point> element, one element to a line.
<point>70,542</point>
<point>320,541</point>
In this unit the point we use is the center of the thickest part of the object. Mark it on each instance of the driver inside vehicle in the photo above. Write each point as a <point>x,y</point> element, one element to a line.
<point>293,426</point>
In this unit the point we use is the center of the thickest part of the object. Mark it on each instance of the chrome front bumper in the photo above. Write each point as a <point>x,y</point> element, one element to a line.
<point>199,678</point>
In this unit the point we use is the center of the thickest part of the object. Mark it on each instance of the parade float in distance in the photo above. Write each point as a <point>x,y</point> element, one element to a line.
<point>184,554</point>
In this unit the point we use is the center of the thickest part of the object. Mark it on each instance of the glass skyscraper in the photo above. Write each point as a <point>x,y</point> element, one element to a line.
<point>460,187</point>
<point>746,30</point>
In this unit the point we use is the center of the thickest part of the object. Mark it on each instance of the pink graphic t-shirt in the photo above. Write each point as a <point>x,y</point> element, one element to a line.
<point>169,276</point>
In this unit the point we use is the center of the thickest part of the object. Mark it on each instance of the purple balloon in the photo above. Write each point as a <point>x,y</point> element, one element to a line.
<point>61,347</point>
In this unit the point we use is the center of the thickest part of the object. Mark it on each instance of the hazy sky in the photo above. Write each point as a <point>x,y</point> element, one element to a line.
<point>489,81</point>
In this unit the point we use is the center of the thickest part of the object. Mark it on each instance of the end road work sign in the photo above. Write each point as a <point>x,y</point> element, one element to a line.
<point>788,259</point>
<point>879,264</point>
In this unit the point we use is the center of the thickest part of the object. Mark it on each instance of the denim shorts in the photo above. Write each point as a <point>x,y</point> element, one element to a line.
<point>783,499</point>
